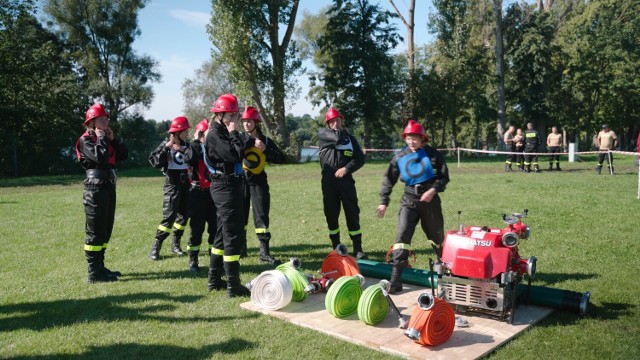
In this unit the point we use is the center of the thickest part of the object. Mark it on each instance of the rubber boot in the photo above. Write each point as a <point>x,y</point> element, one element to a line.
<point>438,251</point>
<point>335,240</point>
<point>550,166</point>
<point>558,167</point>
<point>155,249</point>
<point>528,168</point>
<point>357,248</point>
<point>396,279</point>
<point>104,268</point>
<point>215,281</point>
<point>193,260</point>
<point>95,268</point>
<point>175,246</point>
<point>265,254</point>
<point>234,287</point>
<point>599,169</point>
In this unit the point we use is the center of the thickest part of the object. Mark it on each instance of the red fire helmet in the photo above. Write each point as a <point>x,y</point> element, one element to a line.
<point>225,103</point>
<point>96,110</point>
<point>413,127</point>
<point>331,114</point>
<point>251,113</point>
<point>178,124</point>
<point>203,125</point>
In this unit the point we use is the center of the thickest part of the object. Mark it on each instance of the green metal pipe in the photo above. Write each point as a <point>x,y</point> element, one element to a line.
<point>409,275</point>
<point>554,298</point>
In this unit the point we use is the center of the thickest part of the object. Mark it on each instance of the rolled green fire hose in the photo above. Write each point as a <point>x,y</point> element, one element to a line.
<point>343,296</point>
<point>297,279</point>
<point>373,305</point>
<point>412,276</point>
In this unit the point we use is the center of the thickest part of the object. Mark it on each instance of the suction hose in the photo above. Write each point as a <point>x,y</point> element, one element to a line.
<point>412,276</point>
<point>571,301</point>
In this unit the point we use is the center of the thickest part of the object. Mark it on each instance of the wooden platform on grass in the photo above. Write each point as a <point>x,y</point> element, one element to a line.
<point>478,339</point>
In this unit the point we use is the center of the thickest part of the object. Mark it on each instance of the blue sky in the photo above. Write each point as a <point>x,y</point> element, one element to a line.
<point>173,32</point>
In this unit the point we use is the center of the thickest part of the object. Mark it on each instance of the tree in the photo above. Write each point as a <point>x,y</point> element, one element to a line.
<point>410,54</point>
<point>497,9</point>
<point>41,106</point>
<point>263,63</point>
<point>102,33</point>
<point>208,82</point>
<point>357,73</point>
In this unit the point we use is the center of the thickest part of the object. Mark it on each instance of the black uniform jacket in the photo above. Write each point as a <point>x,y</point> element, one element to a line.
<point>339,149</point>
<point>95,154</point>
<point>438,182</point>
<point>225,149</point>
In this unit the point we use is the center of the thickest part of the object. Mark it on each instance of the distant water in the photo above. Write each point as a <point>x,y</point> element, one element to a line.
<point>309,154</point>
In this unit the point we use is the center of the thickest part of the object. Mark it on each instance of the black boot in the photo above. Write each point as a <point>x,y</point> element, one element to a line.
<point>528,168</point>
<point>396,279</point>
<point>550,167</point>
<point>95,267</point>
<point>357,248</point>
<point>193,260</point>
<point>335,240</point>
<point>599,169</point>
<point>215,281</point>
<point>155,249</point>
<point>234,287</point>
<point>104,268</point>
<point>558,167</point>
<point>265,254</point>
<point>175,246</point>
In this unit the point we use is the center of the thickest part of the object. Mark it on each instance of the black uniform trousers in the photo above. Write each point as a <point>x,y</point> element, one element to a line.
<point>202,211</point>
<point>520,156</point>
<point>553,151</point>
<point>227,192</point>
<point>336,192</point>
<point>605,155</point>
<point>257,194</point>
<point>99,199</point>
<point>530,159</point>
<point>510,157</point>
<point>175,206</point>
<point>412,211</point>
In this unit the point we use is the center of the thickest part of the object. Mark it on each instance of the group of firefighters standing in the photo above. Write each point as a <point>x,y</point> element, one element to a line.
<point>523,148</point>
<point>210,182</point>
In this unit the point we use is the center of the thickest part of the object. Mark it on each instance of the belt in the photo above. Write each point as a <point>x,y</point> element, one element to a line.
<point>419,189</point>
<point>101,174</point>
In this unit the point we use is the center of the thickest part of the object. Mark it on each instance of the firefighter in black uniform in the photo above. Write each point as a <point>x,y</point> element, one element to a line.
<point>202,210</point>
<point>510,147</point>
<point>224,150</point>
<point>169,157</point>
<point>340,157</point>
<point>531,143</point>
<point>98,150</point>
<point>425,174</point>
<point>257,188</point>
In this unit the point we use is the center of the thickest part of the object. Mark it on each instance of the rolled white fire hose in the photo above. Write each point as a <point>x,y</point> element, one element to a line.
<point>271,290</point>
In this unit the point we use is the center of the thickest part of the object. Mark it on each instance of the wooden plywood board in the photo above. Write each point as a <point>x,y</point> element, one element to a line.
<point>481,336</point>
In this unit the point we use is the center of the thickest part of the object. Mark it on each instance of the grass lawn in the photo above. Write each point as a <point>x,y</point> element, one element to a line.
<point>585,234</point>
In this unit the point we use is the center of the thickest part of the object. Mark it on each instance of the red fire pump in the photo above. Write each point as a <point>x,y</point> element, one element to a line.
<point>481,268</point>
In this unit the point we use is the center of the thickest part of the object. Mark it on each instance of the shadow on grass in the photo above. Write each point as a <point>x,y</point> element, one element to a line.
<point>43,315</point>
<point>73,178</point>
<point>610,311</point>
<point>140,351</point>
<point>544,279</point>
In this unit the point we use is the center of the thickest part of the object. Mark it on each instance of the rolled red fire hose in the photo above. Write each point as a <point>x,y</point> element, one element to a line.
<point>338,263</point>
<point>432,326</point>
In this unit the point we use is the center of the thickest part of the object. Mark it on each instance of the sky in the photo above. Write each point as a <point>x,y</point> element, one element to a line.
<point>174,34</point>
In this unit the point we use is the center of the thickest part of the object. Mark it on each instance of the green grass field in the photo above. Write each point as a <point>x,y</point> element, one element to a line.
<point>585,234</point>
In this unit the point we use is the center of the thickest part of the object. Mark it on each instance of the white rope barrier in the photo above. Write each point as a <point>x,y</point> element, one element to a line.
<point>271,290</point>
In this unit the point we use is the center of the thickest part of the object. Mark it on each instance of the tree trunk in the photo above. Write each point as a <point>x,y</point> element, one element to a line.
<point>497,7</point>
<point>410,55</point>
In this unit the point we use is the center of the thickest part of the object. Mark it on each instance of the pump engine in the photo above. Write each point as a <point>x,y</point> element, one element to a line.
<point>481,267</point>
